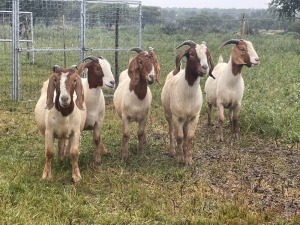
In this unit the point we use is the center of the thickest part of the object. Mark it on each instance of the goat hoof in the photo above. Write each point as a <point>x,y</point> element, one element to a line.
<point>171,153</point>
<point>220,138</point>
<point>180,159</point>
<point>103,151</point>
<point>76,178</point>
<point>188,161</point>
<point>47,176</point>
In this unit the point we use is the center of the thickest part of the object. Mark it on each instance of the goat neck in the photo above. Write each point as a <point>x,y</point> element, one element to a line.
<point>65,111</point>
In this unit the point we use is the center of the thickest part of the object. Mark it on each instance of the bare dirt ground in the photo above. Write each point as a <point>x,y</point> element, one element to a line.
<point>264,174</point>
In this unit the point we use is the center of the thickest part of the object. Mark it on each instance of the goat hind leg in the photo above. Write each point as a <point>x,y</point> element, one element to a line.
<point>125,140</point>
<point>141,135</point>
<point>49,154</point>
<point>99,146</point>
<point>74,144</point>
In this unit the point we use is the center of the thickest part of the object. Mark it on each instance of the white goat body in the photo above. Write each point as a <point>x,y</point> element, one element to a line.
<point>132,98</point>
<point>182,99</point>
<point>99,75</point>
<point>62,119</point>
<point>226,91</point>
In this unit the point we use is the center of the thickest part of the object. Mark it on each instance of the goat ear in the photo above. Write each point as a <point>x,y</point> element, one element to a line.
<point>156,64</point>
<point>210,61</point>
<point>133,71</point>
<point>177,61</point>
<point>50,93</point>
<point>79,92</point>
<point>237,58</point>
<point>158,73</point>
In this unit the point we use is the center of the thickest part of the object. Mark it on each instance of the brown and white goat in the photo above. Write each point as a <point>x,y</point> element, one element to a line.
<point>99,75</point>
<point>182,98</point>
<point>132,98</point>
<point>59,113</point>
<point>226,91</point>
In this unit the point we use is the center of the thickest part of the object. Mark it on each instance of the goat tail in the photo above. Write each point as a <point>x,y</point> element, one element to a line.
<point>220,59</point>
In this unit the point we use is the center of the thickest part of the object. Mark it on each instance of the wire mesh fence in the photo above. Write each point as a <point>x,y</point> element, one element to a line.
<point>64,31</point>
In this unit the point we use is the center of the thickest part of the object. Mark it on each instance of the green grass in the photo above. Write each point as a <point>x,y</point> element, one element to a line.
<point>253,180</point>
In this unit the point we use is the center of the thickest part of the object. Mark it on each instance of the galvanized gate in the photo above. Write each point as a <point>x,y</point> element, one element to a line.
<point>34,42</point>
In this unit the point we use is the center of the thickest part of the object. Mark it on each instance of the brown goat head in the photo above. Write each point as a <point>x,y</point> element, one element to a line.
<point>198,58</point>
<point>64,82</point>
<point>95,72</point>
<point>156,64</point>
<point>141,68</point>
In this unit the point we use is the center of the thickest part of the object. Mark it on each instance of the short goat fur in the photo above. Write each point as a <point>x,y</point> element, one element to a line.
<point>132,98</point>
<point>182,98</point>
<point>59,113</point>
<point>226,91</point>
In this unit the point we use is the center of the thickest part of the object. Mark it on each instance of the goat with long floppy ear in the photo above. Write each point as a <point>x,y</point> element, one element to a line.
<point>228,89</point>
<point>79,92</point>
<point>181,54</point>
<point>50,90</point>
<point>192,44</point>
<point>238,57</point>
<point>133,68</point>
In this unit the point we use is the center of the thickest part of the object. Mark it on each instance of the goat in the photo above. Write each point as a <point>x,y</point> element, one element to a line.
<point>181,98</point>
<point>98,75</point>
<point>226,91</point>
<point>132,98</point>
<point>61,119</point>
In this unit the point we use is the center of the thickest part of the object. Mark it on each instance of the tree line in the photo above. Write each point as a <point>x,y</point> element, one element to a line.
<point>281,14</point>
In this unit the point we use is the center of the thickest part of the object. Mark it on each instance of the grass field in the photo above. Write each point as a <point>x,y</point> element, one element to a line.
<point>253,180</point>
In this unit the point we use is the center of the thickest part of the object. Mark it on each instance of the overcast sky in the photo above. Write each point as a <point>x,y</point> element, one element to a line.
<point>257,4</point>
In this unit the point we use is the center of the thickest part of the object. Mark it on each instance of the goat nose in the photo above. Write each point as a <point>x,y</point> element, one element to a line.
<point>257,59</point>
<point>204,67</point>
<point>151,76</point>
<point>64,98</point>
<point>112,82</point>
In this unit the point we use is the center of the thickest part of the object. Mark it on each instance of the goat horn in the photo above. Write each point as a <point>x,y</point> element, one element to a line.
<point>188,42</point>
<point>74,67</point>
<point>93,58</point>
<point>55,67</point>
<point>137,49</point>
<point>232,41</point>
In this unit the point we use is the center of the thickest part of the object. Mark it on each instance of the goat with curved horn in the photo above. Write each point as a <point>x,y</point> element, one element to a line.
<point>137,49</point>
<point>93,58</point>
<point>188,42</point>
<point>231,41</point>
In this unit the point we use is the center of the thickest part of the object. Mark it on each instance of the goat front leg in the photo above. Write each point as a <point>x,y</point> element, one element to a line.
<point>141,135</point>
<point>220,109</point>
<point>99,148</point>
<point>125,139</point>
<point>190,137</point>
<point>171,136</point>
<point>209,109</point>
<point>62,148</point>
<point>178,127</point>
<point>74,152</point>
<point>234,122</point>
<point>49,154</point>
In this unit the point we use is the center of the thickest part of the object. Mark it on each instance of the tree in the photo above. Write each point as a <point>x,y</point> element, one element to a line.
<point>285,8</point>
<point>151,15</point>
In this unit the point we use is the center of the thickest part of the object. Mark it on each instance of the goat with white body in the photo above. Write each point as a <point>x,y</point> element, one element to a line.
<point>182,98</point>
<point>99,75</point>
<point>226,91</point>
<point>132,98</point>
<point>61,119</point>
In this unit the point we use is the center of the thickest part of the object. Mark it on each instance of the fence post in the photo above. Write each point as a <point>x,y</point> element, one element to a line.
<point>15,51</point>
<point>243,26</point>
<point>82,29</point>
<point>117,45</point>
